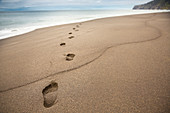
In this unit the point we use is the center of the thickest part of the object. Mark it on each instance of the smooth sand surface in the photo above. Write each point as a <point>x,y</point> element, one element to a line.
<point>119,65</point>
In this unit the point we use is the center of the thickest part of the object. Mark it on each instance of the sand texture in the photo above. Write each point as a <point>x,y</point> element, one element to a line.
<point>117,64</point>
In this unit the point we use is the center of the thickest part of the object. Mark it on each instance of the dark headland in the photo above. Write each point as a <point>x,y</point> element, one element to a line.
<point>155,4</point>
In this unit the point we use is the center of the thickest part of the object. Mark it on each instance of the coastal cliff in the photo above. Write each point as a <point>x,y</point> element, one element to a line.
<point>155,4</point>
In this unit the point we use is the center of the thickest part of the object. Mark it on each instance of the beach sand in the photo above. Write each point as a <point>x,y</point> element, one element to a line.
<point>116,64</point>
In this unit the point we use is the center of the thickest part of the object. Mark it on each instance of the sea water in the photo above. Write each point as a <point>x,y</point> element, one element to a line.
<point>16,23</point>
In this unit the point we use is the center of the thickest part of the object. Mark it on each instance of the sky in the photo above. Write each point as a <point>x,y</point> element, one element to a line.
<point>19,5</point>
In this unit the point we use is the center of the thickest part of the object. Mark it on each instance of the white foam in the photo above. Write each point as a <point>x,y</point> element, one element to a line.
<point>14,32</point>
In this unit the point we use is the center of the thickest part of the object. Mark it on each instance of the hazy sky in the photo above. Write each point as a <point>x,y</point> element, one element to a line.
<point>68,4</point>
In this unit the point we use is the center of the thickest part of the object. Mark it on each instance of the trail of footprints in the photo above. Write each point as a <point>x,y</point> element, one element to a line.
<point>70,56</point>
<point>50,91</point>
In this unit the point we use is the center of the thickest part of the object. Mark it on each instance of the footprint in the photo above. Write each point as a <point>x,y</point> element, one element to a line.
<point>62,44</point>
<point>75,29</point>
<point>70,56</point>
<point>50,94</point>
<point>71,37</point>
<point>70,33</point>
<point>77,26</point>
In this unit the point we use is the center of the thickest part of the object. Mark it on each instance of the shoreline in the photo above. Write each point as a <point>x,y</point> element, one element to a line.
<point>78,21</point>
<point>114,64</point>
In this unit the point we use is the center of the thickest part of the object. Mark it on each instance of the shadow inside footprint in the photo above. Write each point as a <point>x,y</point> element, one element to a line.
<point>70,57</point>
<point>50,94</point>
<point>70,33</point>
<point>62,44</point>
<point>71,37</point>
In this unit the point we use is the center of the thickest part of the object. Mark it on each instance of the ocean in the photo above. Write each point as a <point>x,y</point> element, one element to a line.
<point>16,23</point>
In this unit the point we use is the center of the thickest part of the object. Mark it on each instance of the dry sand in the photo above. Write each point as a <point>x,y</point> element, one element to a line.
<point>118,65</point>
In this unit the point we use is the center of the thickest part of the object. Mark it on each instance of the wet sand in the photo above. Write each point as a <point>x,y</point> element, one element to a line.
<point>117,64</point>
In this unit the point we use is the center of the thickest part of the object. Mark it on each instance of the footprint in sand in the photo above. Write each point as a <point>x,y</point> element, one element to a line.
<point>77,26</point>
<point>70,33</point>
<point>70,56</point>
<point>50,94</point>
<point>62,44</point>
<point>75,29</point>
<point>71,37</point>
